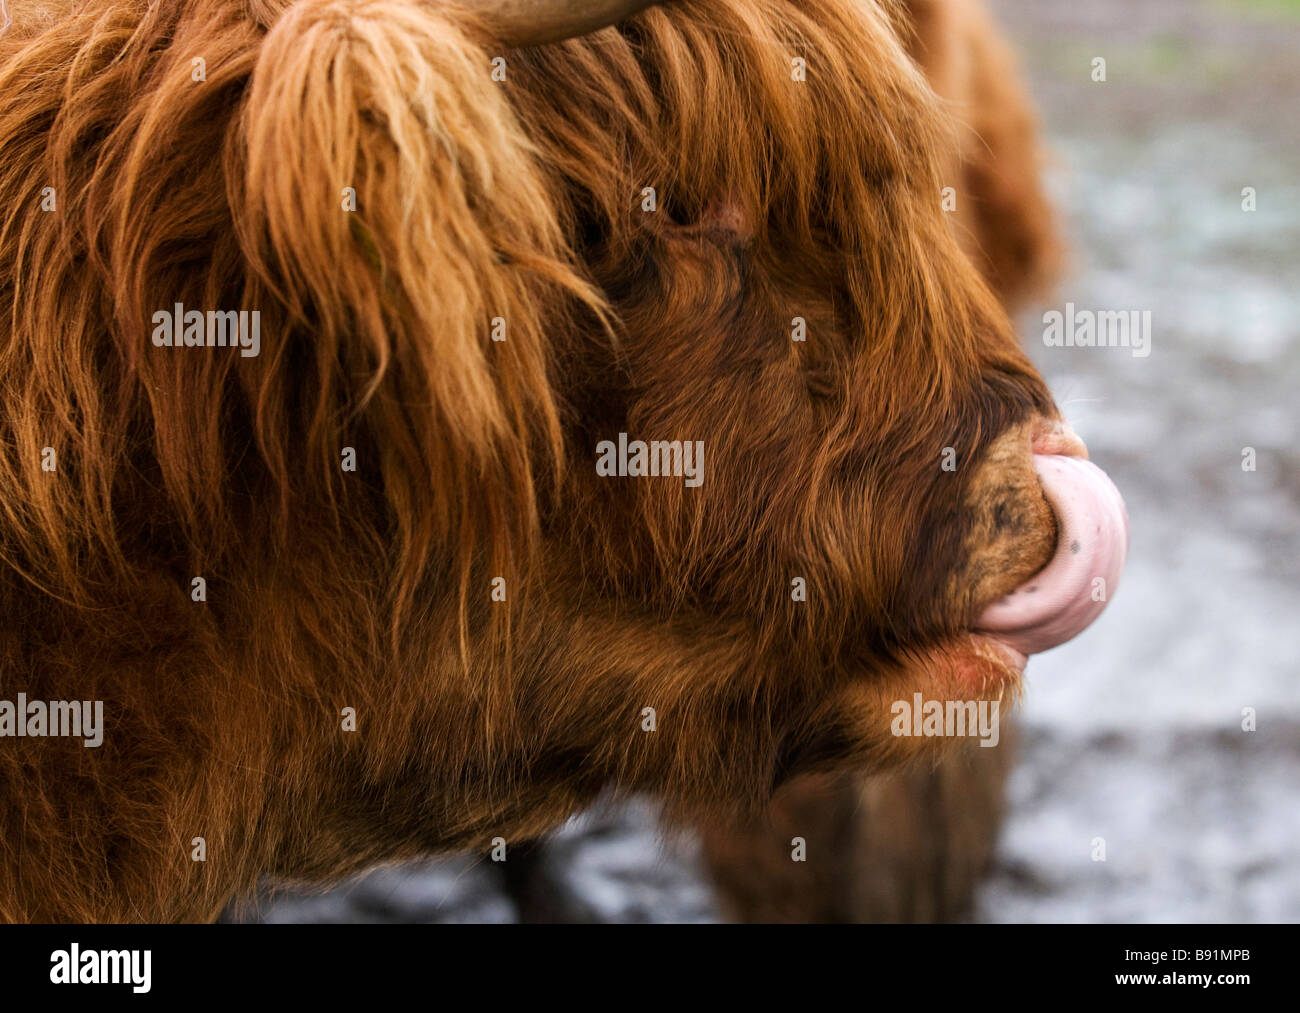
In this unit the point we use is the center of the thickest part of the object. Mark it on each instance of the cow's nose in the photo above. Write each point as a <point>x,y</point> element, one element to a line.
<point>1063,598</point>
<point>1053,436</point>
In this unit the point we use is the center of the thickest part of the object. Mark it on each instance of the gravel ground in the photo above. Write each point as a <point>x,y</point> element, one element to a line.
<point>1132,732</point>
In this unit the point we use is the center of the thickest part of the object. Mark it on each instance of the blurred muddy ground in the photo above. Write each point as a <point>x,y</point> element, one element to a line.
<point>1133,731</point>
<point>1135,728</point>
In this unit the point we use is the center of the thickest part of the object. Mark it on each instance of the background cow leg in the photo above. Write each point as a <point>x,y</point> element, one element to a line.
<point>909,846</point>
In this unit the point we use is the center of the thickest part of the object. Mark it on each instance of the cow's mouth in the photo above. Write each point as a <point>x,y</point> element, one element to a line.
<point>1063,598</point>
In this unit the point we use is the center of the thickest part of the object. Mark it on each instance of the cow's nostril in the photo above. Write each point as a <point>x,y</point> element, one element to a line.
<point>1055,436</point>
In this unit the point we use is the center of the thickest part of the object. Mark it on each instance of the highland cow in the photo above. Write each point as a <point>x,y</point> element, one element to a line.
<point>365,595</point>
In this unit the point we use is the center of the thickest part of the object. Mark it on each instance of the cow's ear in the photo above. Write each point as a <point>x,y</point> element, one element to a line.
<point>392,209</point>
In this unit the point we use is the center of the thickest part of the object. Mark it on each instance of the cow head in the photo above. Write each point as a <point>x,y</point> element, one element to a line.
<point>889,501</point>
<point>717,226</point>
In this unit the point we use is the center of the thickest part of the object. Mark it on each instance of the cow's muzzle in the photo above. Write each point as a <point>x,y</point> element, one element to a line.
<point>1062,599</point>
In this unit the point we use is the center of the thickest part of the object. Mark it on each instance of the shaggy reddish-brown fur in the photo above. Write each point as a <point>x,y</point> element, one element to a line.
<point>330,589</point>
<point>911,844</point>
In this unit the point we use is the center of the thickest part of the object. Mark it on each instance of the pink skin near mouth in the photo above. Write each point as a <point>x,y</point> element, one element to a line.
<point>1065,597</point>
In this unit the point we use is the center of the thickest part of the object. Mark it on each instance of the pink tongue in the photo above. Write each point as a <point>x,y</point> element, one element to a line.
<point>1071,591</point>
